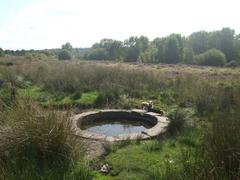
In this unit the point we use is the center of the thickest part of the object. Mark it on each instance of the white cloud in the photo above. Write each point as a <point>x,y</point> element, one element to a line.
<point>50,23</point>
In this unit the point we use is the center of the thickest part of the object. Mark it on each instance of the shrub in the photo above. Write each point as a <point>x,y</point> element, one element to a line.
<point>76,95</point>
<point>177,120</point>
<point>212,57</point>
<point>65,55</point>
<point>232,63</point>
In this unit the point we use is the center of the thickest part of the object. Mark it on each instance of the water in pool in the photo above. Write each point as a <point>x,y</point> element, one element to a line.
<point>116,127</point>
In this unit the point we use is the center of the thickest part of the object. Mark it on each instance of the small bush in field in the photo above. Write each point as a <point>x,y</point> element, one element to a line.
<point>76,95</point>
<point>177,120</point>
<point>232,64</point>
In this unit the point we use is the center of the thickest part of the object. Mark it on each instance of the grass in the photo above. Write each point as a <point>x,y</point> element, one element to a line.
<point>88,98</point>
<point>206,147</point>
<point>141,161</point>
<point>54,99</point>
<point>37,144</point>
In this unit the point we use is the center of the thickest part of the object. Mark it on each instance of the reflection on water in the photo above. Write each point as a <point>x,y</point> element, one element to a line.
<point>116,127</point>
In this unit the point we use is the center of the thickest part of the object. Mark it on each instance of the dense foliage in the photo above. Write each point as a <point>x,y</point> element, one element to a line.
<point>1,52</point>
<point>212,57</point>
<point>171,49</point>
<point>65,55</point>
<point>66,52</point>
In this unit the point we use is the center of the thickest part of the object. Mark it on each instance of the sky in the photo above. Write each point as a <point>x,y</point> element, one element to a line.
<point>45,24</point>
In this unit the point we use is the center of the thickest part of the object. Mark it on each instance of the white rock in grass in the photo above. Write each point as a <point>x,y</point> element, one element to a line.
<point>104,168</point>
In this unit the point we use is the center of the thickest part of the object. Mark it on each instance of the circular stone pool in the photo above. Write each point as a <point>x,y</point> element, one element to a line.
<point>118,125</point>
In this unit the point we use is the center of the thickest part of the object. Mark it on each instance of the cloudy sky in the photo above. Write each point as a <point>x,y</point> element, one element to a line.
<point>40,24</point>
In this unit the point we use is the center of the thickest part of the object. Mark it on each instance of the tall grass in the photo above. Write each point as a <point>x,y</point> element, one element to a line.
<point>37,144</point>
<point>217,104</point>
<point>219,155</point>
<point>70,77</point>
<point>222,145</point>
<point>114,80</point>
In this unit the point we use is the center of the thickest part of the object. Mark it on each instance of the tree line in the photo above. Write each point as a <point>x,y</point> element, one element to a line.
<point>215,48</point>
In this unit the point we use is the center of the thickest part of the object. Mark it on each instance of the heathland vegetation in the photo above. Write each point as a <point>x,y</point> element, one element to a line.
<point>39,94</point>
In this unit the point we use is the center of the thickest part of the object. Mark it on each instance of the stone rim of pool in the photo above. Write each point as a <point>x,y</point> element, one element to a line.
<point>160,124</point>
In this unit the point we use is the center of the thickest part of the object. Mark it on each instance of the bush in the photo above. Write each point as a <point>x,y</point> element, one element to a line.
<point>232,63</point>
<point>65,55</point>
<point>177,120</point>
<point>212,57</point>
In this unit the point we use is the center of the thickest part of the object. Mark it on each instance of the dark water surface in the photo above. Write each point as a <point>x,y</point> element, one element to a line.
<point>116,127</point>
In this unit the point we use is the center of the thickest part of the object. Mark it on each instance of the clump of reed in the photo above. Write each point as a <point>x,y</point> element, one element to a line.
<point>37,143</point>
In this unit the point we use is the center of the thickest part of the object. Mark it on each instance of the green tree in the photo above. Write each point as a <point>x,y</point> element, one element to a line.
<point>227,42</point>
<point>96,54</point>
<point>159,43</point>
<point>1,52</point>
<point>67,46</point>
<point>169,49</point>
<point>237,48</point>
<point>149,55</point>
<point>134,46</point>
<point>173,49</point>
<point>64,55</point>
<point>188,56</point>
<point>113,49</point>
<point>66,52</point>
<point>198,41</point>
<point>223,40</point>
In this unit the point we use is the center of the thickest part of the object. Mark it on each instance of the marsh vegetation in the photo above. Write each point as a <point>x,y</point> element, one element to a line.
<point>37,142</point>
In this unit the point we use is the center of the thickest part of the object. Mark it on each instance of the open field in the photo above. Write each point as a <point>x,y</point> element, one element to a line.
<point>38,97</point>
